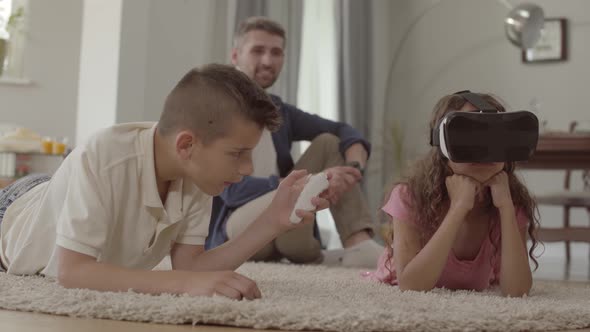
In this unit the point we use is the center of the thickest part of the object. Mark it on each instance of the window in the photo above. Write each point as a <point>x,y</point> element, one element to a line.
<point>317,91</point>
<point>318,87</point>
<point>5,10</point>
<point>12,37</point>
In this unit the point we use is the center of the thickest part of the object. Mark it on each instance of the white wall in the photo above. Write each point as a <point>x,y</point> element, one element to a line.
<point>132,67</point>
<point>48,106</point>
<point>460,44</point>
<point>154,44</point>
<point>182,35</point>
<point>149,46</point>
<point>98,86</point>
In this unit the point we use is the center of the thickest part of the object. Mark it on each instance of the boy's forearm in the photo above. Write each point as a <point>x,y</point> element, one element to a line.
<point>236,251</point>
<point>91,275</point>
<point>424,270</point>
<point>515,273</point>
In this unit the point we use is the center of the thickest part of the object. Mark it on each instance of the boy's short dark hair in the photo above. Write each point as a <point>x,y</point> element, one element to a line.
<point>259,23</point>
<point>205,100</point>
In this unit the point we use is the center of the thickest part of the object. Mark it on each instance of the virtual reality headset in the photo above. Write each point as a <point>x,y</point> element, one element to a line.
<point>486,135</point>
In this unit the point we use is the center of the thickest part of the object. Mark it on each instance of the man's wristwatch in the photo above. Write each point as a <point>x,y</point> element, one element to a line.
<point>356,165</point>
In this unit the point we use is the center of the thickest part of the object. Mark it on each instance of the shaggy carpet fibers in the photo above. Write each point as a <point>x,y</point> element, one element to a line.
<point>317,298</point>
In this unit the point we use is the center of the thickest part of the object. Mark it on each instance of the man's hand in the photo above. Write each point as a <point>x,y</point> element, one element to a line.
<point>357,152</point>
<point>341,178</point>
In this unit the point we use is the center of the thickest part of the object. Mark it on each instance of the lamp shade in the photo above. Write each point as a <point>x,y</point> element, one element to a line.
<point>524,24</point>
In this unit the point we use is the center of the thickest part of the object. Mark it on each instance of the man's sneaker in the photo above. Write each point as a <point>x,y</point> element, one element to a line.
<point>363,255</point>
<point>333,257</point>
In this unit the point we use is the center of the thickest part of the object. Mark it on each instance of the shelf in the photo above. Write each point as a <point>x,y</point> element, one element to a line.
<point>34,154</point>
<point>14,164</point>
<point>15,81</point>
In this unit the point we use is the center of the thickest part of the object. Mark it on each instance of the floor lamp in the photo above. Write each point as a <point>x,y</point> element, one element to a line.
<point>523,25</point>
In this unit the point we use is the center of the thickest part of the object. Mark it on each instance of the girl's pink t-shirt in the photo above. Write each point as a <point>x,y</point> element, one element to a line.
<point>477,274</point>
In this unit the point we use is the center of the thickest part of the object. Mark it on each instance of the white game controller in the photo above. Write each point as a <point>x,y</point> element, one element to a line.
<point>314,186</point>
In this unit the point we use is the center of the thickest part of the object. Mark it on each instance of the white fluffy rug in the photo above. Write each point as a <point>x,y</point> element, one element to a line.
<point>317,298</point>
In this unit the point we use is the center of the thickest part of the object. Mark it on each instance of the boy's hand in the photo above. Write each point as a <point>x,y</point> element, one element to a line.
<point>500,190</point>
<point>225,283</point>
<point>462,191</point>
<point>284,201</point>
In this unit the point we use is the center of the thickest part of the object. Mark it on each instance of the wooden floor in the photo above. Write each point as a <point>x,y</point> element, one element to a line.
<point>552,268</point>
<point>32,322</point>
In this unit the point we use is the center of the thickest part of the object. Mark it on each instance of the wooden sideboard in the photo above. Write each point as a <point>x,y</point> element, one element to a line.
<point>561,150</point>
<point>11,168</point>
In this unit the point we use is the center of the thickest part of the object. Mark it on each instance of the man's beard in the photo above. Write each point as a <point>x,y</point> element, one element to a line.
<point>267,83</point>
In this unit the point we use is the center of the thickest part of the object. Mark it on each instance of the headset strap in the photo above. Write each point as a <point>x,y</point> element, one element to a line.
<point>477,101</point>
<point>472,98</point>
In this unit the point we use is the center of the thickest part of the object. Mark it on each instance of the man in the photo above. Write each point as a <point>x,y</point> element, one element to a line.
<point>259,46</point>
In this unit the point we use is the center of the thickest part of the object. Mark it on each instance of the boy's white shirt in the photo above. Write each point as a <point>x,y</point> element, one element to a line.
<point>103,201</point>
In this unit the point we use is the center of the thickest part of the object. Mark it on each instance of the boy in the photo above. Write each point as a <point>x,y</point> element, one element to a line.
<point>137,192</point>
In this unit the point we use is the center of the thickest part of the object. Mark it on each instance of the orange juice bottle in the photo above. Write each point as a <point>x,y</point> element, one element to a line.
<point>47,145</point>
<point>59,145</point>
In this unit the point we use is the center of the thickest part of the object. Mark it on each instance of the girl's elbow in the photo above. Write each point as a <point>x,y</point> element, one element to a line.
<point>64,279</point>
<point>408,286</point>
<point>516,291</point>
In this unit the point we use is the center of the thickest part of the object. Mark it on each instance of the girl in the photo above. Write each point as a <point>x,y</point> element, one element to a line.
<point>459,225</point>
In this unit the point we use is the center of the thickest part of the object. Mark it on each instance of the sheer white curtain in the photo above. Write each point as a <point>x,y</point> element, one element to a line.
<point>317,90</point>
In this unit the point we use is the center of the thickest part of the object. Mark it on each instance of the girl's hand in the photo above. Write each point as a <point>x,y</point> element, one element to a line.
<point>500,190</point>
<point>284,201</point>
<point>462,191</point>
